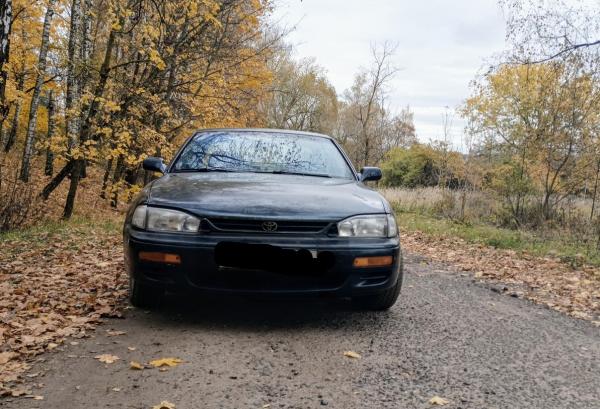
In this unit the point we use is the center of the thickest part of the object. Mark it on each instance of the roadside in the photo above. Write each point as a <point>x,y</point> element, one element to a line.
<point>57,280</point>
<point>569,287</point>
<point>449,340</point>
<point>60,280</point>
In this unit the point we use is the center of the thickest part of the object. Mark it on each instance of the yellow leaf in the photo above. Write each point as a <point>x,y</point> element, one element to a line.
<point>436,400</point>
<point>157,363</point>
<point>136,365</point>
<point>107,358</point>
<point>352,354</point>
<point>164,405</point>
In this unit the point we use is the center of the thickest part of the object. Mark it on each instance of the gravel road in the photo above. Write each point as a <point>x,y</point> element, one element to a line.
<point>446,337</point>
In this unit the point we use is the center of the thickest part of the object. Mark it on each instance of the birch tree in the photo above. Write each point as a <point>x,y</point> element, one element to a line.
<point>49,166</point>
<point>35,99</point>
<point>6,16</point>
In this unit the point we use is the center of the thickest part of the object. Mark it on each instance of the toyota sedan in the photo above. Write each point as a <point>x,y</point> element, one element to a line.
<point>257,211</point>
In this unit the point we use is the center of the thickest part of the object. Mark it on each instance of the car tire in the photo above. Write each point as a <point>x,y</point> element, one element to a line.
<point>144,296</point>
<point>383,300</point>
<point>378,302</point>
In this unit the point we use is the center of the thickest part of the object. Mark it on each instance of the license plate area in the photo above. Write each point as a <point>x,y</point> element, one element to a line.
<point>265,257</point>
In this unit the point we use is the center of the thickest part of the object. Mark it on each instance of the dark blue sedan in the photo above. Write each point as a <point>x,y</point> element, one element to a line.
<point>259,211</point>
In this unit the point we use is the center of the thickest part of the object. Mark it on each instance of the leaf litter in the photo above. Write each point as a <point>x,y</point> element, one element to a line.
<point>543,280</point>
<point>55,286</point>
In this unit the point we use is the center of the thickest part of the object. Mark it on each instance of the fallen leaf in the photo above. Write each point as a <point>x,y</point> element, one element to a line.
<point>436,400</point>
<point>51,346</point>
<point>131,348</point>
<point>107,358</point>
<point>6,356</point>
<point>18,392</point>
<point>136,365</point>
<point>157,363</point>
<point>164,405</point>
<point>112,333</point>
<point>116,389</point>
<point>352,354</point>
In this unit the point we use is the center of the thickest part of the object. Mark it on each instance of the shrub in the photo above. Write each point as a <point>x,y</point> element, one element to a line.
<point>19,205</point>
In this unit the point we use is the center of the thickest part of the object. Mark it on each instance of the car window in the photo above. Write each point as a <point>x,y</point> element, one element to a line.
<point>264,152</point>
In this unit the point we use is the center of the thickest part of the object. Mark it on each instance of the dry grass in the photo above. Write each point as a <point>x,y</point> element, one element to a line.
<point>440,213</point>
<point>466,205</point>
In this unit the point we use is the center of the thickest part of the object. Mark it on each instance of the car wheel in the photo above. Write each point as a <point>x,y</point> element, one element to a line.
<point>144,296</point>
<point>379,302</point>
<point>384,300</point>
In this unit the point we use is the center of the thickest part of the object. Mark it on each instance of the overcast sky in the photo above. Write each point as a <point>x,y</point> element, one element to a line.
<point>442,46</point>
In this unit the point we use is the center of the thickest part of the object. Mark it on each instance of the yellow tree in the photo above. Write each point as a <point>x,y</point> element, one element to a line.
<point>542,118</point>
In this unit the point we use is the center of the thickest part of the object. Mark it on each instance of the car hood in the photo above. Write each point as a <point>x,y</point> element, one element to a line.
<point>265,195</point>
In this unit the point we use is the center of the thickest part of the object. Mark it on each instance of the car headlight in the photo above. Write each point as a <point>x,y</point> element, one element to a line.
<point>380,225</point>
<point>165,220</point>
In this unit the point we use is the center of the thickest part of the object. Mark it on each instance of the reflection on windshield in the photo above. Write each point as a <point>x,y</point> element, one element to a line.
<point>264,152</point>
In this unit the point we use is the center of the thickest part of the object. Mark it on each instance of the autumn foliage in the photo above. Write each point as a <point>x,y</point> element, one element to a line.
<point>104,84</point>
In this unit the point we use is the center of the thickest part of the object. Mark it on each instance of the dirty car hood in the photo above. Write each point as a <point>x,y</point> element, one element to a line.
<point>265,195</point>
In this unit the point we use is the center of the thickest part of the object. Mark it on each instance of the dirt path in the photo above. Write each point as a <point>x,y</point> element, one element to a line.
<point>447,337</point>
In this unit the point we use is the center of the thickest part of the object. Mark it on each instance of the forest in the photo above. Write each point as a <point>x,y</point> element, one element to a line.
<point>90,88</point>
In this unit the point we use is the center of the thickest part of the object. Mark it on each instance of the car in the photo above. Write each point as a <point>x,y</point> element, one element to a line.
<point>262,211</point>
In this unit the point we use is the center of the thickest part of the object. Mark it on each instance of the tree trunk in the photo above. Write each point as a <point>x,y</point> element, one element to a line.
<point>49,168</point>
<point>594,196</point>
<point>75,176</point>
<point>35,99</point>
<point>72,94</point>
<point>86,128</point>
<point>12,133</point>
<point>119,167</point>
<point>5,28</point>
<point>56,181</point>
<point>106,177</point>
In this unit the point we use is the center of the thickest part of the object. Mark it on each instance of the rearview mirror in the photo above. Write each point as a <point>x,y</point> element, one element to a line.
<point>370,174</point>
<point>154,164</point>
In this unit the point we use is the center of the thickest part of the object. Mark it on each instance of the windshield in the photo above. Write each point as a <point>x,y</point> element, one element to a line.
<point>263,152</point>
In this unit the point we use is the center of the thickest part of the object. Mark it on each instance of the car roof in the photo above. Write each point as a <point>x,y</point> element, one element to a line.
<point>267,130</point>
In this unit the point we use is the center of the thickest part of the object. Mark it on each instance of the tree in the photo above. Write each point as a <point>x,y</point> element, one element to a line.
<point>300,96</point>
<point>551,30</point>
<point>542,118</point>
<point>6,18</point>
<point>163,70</point>
<point>37,90</point>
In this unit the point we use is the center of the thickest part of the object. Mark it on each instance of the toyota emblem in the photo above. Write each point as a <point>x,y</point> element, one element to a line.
<point>269,226</point>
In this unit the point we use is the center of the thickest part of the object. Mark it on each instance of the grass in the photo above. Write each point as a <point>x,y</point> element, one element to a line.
<point>564,246</point>
<point>81,227</point>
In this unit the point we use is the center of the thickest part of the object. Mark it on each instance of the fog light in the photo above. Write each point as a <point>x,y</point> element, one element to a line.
<point>380,261</point>
<point>157,257</point>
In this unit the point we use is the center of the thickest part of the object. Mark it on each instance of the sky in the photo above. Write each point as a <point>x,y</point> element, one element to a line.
<point>442,46</point>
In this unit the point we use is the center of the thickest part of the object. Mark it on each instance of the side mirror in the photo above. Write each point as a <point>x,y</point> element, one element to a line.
<point>154,164</point>
<point>370,174</point>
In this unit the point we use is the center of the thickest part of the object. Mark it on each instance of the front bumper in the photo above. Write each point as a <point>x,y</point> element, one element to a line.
<point>199,270</point>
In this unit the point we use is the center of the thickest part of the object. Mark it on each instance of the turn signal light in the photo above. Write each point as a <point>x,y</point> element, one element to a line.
<point>380,261</point>
<point>157,257</point>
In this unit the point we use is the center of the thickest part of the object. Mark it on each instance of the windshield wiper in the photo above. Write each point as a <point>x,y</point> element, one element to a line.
<point>285,172</point>
<point>205,169</point>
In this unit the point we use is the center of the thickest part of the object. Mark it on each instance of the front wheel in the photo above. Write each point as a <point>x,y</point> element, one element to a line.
<point>144,296</point>
<point>381,301</point>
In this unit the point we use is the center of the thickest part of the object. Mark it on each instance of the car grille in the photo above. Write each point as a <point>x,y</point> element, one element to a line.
<point>268,226</point>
